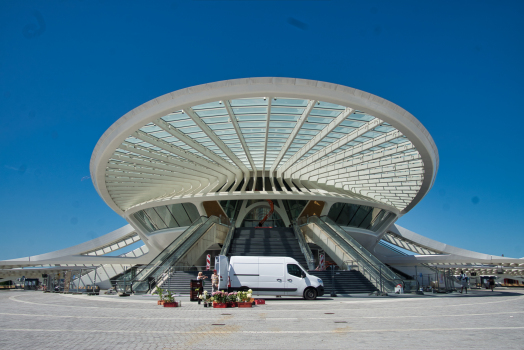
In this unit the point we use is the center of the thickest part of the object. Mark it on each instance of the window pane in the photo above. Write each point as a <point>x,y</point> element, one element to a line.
<point>166,216</point>
<point>359,216</point>
<point>348,212</point>
<point>180,214</point>
<point>155,219</point>
<point>335,210</point>
<point>192,211</point>
<point>374,215</point>
<point>144,221</point>
<point>367,219</point>
<point>294,270</point>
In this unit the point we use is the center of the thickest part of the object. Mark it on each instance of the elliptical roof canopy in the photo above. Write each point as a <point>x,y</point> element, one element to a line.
<point>302,135</point>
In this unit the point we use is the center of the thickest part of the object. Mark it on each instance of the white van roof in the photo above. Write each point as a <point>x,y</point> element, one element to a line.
<point>262,260</point>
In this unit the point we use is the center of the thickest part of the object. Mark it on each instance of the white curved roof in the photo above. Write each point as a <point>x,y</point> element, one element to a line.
<point>314,136</point>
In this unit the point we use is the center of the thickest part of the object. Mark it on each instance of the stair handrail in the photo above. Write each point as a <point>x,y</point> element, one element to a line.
<point>158,261</point>
<point>194,225</point>
<point>229,238</point>
<point>378,273</point>
<point>178,252</point>
<point>366,254</point>
<point>304,247</point>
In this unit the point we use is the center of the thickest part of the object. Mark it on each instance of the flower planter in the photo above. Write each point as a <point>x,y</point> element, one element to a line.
<point>166,304</point>
<point>219,305</point>
<point>244,304</point>
<point>160,302</point>
<point>232,304</point>
<point>260,301</point>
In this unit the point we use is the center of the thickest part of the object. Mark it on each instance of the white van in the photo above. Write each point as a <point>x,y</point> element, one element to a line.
<point>267,275</point>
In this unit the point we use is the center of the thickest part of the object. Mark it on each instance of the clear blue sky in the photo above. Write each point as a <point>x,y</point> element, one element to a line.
<point>69,69</point>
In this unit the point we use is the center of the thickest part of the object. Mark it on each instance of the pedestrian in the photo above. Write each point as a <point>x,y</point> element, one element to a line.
<point>201,277</point>
<point>214,281</point>
<point>491,283</point>
<point>463,281</point>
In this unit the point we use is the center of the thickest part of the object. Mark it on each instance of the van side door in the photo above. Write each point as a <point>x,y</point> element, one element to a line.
<point>272,277</point>
<point>295,283</point>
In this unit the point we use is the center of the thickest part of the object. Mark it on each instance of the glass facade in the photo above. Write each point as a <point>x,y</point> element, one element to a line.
<point>167,216</point>
<point>256,214</point>
<point>361,216</point>
<point>294,207</point>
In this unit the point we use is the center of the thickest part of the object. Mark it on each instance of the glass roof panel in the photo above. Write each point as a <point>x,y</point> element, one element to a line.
<point>216,104</point>
<point>325,112</point>
<point>250,110</point>
<point>329,105</point>
<point>279,101</point>
<point>261,101</point>
<point>286,110</point>
<point>211,112</point>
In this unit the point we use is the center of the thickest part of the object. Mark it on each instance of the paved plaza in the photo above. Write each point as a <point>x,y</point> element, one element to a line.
<point>479,320</point>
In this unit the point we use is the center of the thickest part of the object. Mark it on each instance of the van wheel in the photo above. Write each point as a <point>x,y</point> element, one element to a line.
<point>310,294</point>
<point>243,289</point>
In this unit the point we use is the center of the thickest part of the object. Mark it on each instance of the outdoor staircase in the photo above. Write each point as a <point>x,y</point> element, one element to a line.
<point>278,241</point>
<point>178,282</point>
<point>346,282</point>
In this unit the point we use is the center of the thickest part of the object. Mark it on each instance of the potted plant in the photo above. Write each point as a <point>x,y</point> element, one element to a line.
<point>232,299</point>
<point>170,300</point>
<point>160,293</point>
<point>205,297</point>
<point>220,299</point>
<point>244,298</point>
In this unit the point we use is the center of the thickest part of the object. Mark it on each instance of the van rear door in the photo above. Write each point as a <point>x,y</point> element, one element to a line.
<point>222,267</point>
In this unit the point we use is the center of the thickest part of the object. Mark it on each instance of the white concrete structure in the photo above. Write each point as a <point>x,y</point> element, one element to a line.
<point>224,148</point>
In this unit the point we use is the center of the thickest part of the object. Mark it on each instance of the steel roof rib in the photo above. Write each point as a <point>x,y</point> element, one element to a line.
<point>268,118</point>
<point>207,167</point>
<point>233,119</point>
<point>282,171</point>
<point>217,141</point>
<point>291,138</point>
<point>197,146</point>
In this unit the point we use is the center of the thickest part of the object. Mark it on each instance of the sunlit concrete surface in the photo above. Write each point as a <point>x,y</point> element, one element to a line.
<point>479,320</point>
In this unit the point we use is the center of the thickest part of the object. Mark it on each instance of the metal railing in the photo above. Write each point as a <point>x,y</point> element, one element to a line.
<point>448,283</point>
<point>229,238</point>
<point>372,268</point>
<point>160,267</point>
<point>304,248</point>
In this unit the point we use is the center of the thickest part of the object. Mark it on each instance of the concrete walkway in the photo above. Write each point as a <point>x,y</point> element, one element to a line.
<point>479,320</point>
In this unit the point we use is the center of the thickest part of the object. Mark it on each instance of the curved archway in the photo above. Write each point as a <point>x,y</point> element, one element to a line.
<point>250,216</point>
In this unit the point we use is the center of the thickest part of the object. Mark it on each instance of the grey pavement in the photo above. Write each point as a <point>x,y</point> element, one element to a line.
<point>479,320</point>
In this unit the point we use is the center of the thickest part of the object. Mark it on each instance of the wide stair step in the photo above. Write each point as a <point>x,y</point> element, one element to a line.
<point>278,241</point>
<point>345,282</point>
<point>179,281</point>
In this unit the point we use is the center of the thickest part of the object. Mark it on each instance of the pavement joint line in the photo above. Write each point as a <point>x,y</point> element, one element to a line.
<point>258,319</point>
<point>280,310</point>
<point>374,330</point>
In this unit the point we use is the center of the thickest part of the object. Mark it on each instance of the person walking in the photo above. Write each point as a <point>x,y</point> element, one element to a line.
<point>491,283</point>
<point>214,281</point>
<point>463,281</point>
